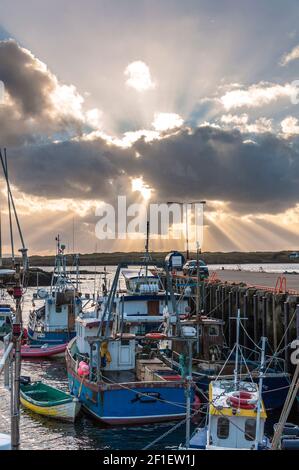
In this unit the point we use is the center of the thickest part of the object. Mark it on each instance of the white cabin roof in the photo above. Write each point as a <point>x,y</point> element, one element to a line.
<point>137,274</point>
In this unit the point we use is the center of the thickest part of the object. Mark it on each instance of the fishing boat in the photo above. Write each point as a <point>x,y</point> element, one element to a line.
<point>236,412</point>
<point>44,350</point>
<point>233,422</point>
<point>289,439</point>
<point>49,401</point>
<point>54,322</point>
<point>211,356</point>
<point>115,376</point>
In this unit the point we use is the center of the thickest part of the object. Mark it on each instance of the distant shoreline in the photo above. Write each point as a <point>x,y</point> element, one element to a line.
<point>109,259</point>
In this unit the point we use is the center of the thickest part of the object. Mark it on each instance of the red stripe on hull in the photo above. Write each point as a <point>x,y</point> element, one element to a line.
<point>42,352</point>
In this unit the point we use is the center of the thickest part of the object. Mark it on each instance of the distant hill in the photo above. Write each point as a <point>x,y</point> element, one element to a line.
<point>235,257</point>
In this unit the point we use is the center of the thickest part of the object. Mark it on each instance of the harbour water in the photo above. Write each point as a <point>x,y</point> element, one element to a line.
<point>41,433</point>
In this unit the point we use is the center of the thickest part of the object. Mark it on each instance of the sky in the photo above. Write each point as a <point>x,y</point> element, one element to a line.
<point>156,100</point>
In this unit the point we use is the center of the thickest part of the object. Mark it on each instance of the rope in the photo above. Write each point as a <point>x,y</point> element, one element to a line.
<point>145,395</point>
<point>282,339</point>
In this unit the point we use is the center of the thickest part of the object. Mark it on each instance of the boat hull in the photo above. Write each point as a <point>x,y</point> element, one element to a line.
<point>38,352</point>
<point>65,412</point>
<point>54,338</point>
<point>128,403</point>
<point>125,406</point>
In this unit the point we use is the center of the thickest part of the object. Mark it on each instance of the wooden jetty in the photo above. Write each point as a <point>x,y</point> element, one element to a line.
<point>269,302</point>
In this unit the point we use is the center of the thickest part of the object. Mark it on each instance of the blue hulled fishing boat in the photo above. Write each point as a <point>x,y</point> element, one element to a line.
<point>117,377</point>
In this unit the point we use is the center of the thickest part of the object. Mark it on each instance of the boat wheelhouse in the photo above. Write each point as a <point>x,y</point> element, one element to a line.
<point>142,306</point>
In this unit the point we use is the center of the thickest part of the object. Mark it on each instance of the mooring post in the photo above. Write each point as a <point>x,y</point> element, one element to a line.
<point>245,310</point>
<point>286,311</point>
<point>274,322</point>
<point>222,302</point>
<point>211,297</point>
<point>255,321</point>
<point>217,300</point>
<point>264,317</point>
<point>203,298</point>
<point>297,321</point>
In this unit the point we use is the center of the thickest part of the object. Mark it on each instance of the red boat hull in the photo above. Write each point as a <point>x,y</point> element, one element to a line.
<point>29,351</point>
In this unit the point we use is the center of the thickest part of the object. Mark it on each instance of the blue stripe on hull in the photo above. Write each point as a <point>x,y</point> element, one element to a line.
<point>123,406</point>
<point>53,338</point>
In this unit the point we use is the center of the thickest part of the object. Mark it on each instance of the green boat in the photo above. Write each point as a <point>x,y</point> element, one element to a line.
<point>49,401</point>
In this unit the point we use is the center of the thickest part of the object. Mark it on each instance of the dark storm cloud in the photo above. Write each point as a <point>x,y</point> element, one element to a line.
<point>71,169</point>
<point>33,113</point>
<point>215,164</point>
<point>204,163</point>
<point>27,85</point>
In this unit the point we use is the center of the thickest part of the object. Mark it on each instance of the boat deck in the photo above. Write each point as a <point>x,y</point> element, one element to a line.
<point>123,376</point>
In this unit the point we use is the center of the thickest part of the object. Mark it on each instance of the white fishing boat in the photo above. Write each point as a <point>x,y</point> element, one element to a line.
<point>236,412</point>
<point>232,421</point>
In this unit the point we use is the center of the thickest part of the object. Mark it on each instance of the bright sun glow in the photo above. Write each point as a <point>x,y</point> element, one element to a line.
<point>139,76</point>
<point>139,185</point>
<point>167,121</point>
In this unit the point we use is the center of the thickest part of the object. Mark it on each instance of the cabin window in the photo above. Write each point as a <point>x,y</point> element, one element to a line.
<point>58,309</point>
<point>213,330</point>
<point>199,331</point>
<point>222,428</point>
<point>250,429</point>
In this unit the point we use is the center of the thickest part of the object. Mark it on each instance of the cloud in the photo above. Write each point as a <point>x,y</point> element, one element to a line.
<point>290,56</point>
<point>241,122</point>
<point>206,162</point>
<point>37,105</point>
<point>290,126</point>
<point>139,76</point>
<point>256,95</point>
<point>167,121</point>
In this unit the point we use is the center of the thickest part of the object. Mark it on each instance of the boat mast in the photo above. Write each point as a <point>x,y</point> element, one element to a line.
<point>16,336</point>
<point>259,405</point>
<point>4,166</point>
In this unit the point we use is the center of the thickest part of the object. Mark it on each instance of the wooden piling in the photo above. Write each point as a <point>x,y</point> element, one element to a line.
<point>286,311</point>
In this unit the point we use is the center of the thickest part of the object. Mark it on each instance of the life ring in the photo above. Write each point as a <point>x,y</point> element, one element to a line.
<point>244,400</point>
<point>156,336</point>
